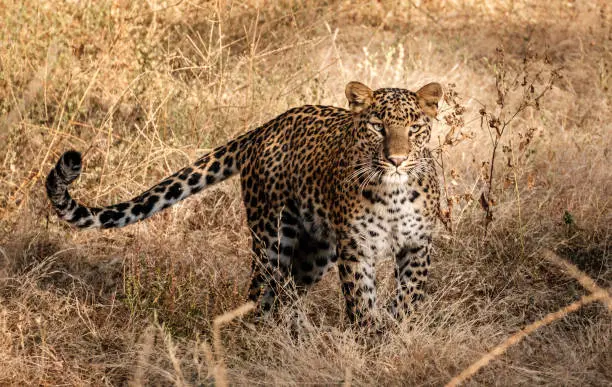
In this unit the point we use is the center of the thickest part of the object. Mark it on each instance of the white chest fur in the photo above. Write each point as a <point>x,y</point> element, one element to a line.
<point>391,219</point>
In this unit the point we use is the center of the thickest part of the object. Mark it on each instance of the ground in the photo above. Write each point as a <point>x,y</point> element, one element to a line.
<point>143,88</point>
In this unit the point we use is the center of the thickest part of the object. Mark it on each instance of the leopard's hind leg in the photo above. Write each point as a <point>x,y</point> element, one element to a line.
<point>274,242</point>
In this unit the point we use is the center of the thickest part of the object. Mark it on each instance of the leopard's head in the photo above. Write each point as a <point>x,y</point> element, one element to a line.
<point>393,127</point>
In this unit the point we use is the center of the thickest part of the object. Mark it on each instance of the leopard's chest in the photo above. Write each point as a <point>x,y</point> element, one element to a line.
<point>390,220</point>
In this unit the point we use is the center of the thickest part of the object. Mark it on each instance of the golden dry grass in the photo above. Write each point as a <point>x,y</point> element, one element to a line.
<point>144,87</point>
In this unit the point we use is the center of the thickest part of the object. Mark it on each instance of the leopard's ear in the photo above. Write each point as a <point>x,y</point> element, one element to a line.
<point>359,96</point>
<point>428,97</point>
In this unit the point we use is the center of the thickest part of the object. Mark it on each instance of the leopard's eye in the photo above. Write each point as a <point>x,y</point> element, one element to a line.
<point>378,127</point>
<point>417,127</point>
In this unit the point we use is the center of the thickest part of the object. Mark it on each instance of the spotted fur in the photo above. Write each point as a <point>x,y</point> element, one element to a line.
<point>321,186</point>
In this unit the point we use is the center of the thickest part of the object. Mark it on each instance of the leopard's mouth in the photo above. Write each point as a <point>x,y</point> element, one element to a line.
<point>403,169</point>
<point>401,174</point>
<point>395,178</point>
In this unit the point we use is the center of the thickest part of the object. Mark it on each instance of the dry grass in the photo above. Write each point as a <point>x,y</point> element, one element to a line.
<point>144,87</point>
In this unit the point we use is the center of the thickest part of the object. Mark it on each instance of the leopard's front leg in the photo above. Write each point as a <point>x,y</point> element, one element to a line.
<point>411,270</point>
<point>357,274</point>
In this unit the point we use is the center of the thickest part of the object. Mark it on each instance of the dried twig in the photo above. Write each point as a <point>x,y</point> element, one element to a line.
<point>597,294</point>
<point>220,372</point>
<point>587,282</point>
<point>524,82</point>
<point>520,335</point>
<point>143,356</point>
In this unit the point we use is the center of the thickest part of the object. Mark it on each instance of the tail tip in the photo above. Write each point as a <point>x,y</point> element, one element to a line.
<point>68,167</point>
<point>72,160</point>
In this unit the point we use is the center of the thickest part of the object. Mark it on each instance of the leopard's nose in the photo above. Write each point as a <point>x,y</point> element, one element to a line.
<point>397,160</point>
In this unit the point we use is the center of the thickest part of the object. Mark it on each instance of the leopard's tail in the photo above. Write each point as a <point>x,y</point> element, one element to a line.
<point>211,168</point>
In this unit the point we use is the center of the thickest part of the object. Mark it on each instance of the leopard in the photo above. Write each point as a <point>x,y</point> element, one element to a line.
<point>322,186</point>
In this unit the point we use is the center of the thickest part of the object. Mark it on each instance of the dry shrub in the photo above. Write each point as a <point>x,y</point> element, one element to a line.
<point>144,87</point>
